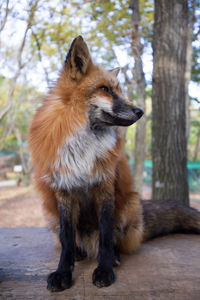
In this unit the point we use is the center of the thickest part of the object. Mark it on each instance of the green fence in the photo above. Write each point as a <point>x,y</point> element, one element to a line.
<point>193,168</point>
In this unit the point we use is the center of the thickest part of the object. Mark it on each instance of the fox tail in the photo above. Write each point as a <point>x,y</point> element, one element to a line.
<point>162,217</point>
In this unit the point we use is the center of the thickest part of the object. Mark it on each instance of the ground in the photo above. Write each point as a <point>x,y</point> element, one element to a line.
<point>21,207</point>
<point>165,268</point>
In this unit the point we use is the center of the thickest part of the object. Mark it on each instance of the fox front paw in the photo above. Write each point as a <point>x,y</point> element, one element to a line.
<point>102,278</point>
<point>58,281</point>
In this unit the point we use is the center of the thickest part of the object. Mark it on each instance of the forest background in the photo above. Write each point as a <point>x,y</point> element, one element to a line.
<point>34,39</point>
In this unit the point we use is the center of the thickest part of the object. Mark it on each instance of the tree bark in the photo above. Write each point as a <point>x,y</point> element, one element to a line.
<point>130,83</point>
<point>140,148</point>
<point>169,145</point>
<point>25,159</point>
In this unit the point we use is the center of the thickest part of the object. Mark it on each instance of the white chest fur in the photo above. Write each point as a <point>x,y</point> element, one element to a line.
<point>75,164</point>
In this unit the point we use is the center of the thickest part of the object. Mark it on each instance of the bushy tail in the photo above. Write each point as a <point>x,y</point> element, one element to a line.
<point>166,216</point>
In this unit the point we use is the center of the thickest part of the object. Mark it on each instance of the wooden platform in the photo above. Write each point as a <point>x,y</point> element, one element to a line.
<point>167,268</point>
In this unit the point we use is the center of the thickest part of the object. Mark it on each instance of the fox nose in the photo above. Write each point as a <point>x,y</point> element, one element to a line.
<point>139,112</point>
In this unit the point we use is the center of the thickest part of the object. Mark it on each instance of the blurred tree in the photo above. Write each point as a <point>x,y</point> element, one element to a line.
<point>14,125</point>
<point>52,34</point>
<point>107,27</point>
<point>11,105</point>
<point>197,148</point>
<point>135,20</point>
<point>4,10</point>
<point>169,146</point>
<point>194,149</point>
<point>196,40</point>
<point>140,147</point>
<point>190,30</point>
<point>32,7</point>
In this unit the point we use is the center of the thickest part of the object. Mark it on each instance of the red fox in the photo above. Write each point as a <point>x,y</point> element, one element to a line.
<point>82,173</point>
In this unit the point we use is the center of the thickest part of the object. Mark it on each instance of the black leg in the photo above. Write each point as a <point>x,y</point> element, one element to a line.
<point>103,275</point>
<point>62,278</point>
<point>116,258</point>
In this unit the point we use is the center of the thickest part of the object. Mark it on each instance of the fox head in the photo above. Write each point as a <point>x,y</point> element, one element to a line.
<point>96,89</point>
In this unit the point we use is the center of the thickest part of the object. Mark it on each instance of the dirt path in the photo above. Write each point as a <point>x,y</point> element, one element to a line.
<point>22,207</point>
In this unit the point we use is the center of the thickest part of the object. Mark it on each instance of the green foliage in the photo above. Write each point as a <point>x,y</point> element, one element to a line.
<point>52,34</point>
<point>19,114</point>
<point>195,64</point>
<point>194,134</point>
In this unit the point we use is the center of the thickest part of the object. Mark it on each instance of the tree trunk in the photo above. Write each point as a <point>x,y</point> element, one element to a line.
<point>23,153</point>
<point>169,146</point>
<point>140,149</point>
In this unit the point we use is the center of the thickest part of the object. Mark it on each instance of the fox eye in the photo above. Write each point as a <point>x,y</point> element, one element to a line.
<point>105,88</point>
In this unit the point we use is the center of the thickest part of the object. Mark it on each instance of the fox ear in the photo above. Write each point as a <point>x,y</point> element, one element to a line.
<point>115,71</point>
<point>78,59</point>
